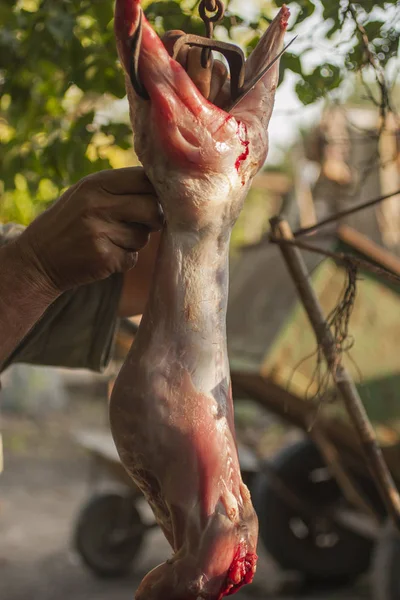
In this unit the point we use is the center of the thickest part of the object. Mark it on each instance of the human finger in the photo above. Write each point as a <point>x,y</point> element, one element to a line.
<point>169,39</point>
<point>129,180</point>
<point>141,209</point>
<point>200,76</point>
<point>131,238</point>
<point>223,97</point>
<point>124,260</point>
<point>218,79</point>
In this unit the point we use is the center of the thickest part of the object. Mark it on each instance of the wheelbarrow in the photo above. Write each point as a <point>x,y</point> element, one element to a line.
<point>111,527</point>
<point>319,509</point>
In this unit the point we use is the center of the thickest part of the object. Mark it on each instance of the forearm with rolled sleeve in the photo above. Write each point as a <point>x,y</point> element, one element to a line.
<point>77,330</point>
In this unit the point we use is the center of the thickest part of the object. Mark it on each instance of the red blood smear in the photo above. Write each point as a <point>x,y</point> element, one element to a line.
<point>241,572</point>
<point>243,156</point>
<point>285,16</point>
<point>242,133</point>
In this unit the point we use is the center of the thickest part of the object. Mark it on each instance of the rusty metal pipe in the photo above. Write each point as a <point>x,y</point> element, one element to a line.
<point>211,5</point>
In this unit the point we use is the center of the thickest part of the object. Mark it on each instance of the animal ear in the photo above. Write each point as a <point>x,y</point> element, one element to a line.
<point>260,100</point>
<point>164,79</point>
<point>126,21</point>
<point>129,17</point>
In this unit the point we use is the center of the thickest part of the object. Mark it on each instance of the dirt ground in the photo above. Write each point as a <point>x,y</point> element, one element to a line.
<point>45,483</point>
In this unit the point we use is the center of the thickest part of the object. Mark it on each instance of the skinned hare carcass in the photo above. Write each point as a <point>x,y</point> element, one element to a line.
<point>171,409</point>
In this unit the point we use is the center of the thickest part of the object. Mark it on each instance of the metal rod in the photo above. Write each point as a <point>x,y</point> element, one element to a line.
<point>253,82</point>
<point>218,7</point>
<point>345,213</point>
<point>341,257</point>
<point>376,462</point>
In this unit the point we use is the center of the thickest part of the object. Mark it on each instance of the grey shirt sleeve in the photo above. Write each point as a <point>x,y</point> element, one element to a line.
<point>77,330</point>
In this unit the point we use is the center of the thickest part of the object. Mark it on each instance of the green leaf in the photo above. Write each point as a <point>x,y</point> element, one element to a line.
<point>292,62</point>
<point>289,61</point>
<point>306,10</point>
<point>373,29</point>
<point>316,85</point>
<point>356,57</point>
<point>121,133</point>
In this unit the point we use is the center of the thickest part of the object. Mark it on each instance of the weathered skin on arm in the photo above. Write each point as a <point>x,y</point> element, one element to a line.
<point>24,297</point>
<point>171,410</point>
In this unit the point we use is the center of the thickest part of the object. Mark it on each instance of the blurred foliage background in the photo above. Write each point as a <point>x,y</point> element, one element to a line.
<point>61,110</point>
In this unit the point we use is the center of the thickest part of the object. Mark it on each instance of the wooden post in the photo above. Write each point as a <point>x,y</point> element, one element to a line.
<point>344,383</point>
<point>389,213</point>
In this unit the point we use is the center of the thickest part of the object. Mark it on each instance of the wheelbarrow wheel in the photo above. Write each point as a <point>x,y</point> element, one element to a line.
<point>321,550</point>
<point>386,572</point>
<point>109,534</point>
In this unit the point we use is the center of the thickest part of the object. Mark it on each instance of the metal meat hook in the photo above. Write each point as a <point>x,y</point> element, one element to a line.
<point>233,54</point>
<point>257,77</point>
<point>218,8</point>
